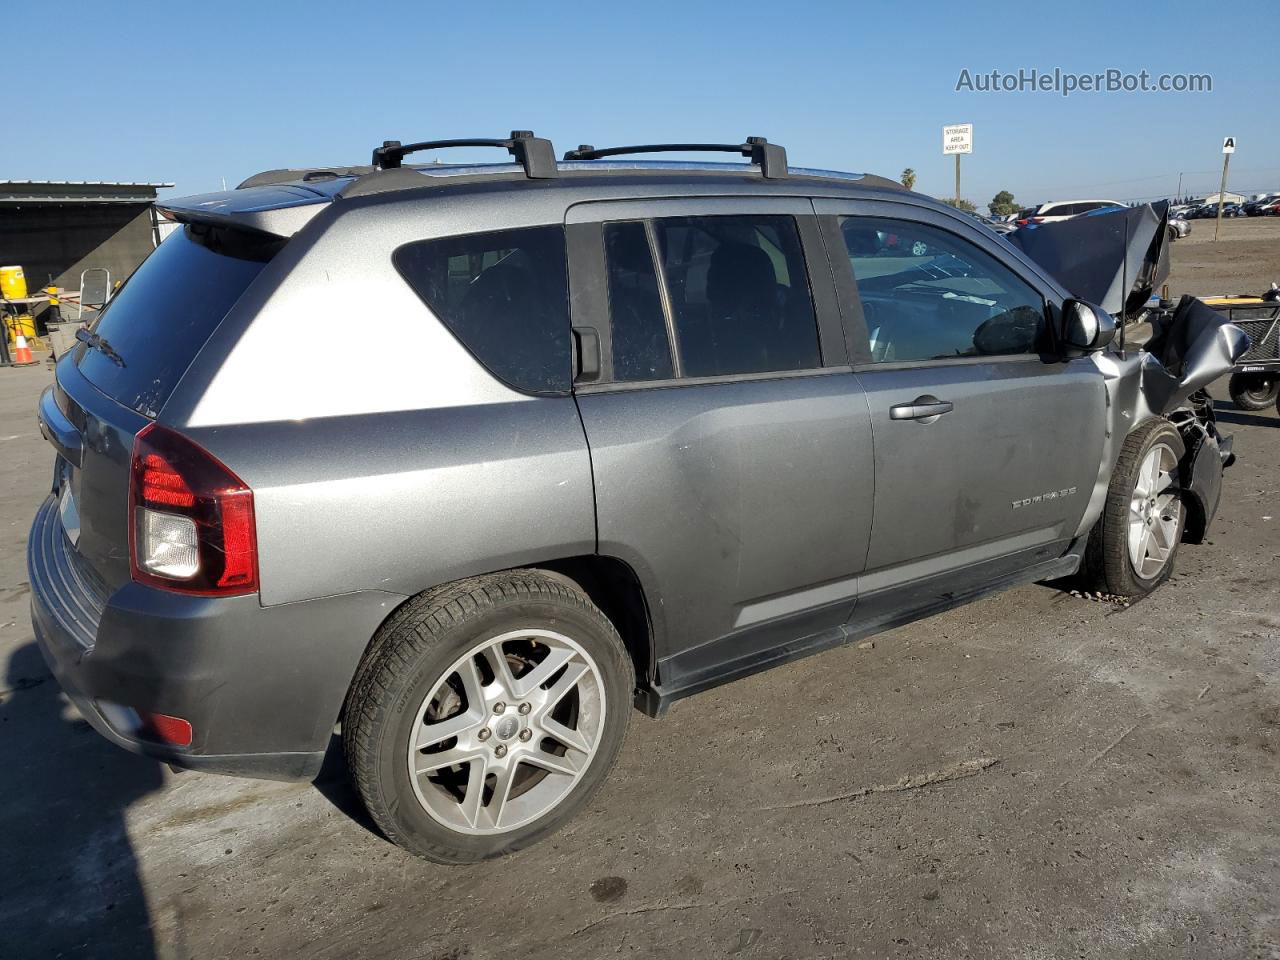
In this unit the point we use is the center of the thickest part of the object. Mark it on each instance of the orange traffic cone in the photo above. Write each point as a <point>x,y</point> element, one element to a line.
<point>22,353</point>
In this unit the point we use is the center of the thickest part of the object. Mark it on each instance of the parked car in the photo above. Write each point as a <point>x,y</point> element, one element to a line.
<point>1063,210</point>
<point>999,225</point>
<point>1270,209</point>
<point>1178,228</point>
<point>611,451</point>
<point>1253,208</point>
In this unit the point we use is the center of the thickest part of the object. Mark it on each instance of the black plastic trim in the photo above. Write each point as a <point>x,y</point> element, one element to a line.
<point>826,302</point>
<point>589,292</point>
<point>713,664</point>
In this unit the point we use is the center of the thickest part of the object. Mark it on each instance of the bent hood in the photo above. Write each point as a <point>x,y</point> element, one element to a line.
<point>1114,259</point>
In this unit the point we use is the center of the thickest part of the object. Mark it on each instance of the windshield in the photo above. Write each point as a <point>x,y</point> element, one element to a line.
<point>154,326</point>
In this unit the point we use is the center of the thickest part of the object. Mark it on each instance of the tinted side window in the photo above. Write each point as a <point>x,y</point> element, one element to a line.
<point>505,296</point>
<point>739,294</point>
<point>641,349</point>
<point>927,294</point>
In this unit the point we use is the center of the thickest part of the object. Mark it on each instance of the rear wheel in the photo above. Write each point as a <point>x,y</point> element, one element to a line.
<point>1254,391</point>
<point>1131,549</point>
<point>486,714</point>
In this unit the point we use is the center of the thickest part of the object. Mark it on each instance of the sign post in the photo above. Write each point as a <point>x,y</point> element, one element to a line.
<point>957,138</point>
<point>1228,148</point>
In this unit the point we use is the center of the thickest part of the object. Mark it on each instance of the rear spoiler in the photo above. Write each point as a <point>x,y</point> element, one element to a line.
<point>280,210</point>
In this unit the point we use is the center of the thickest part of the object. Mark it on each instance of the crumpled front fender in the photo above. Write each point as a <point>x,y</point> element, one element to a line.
<point>1189,350</point>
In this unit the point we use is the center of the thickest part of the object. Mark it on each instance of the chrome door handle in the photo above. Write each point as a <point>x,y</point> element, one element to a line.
<point>924,409</point>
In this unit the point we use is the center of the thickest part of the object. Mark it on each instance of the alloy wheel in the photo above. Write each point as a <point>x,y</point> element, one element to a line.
<point>506,732</point>
<point>1155,513</point>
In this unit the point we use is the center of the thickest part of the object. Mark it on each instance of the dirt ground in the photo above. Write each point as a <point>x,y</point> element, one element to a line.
<point>1245,258</point>
<point>1032,776</point>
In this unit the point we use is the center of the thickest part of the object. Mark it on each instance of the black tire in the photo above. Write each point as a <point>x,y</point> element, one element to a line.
<point>406,660</point>
<point>1108,566</point>
<point>1254,391</point>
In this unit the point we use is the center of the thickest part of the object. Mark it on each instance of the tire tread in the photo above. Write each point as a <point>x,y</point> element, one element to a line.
<point>1106,565</point>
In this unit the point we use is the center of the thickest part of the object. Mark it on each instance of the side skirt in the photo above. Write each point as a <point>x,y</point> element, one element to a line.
<point>889,609</point>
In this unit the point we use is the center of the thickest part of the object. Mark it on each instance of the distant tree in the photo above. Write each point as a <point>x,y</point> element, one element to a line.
<point>964,205</point>
<point>1002,204</point>
<point>908,178</point>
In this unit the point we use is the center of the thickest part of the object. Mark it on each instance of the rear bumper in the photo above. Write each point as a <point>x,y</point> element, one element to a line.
<point>261,686</point>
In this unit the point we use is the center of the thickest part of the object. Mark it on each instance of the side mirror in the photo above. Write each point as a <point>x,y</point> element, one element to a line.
<point>1085,326</point>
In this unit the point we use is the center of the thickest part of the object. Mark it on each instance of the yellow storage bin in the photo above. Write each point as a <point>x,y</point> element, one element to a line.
<point>13,283</point>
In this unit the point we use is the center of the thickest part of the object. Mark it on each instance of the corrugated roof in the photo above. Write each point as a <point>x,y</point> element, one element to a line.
<point>81,183</point>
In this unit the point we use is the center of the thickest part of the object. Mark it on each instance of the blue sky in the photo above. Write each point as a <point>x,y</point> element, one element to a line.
<point>194,93</point>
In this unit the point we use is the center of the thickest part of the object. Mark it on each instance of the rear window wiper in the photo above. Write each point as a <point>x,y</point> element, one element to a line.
<point>101,344</point>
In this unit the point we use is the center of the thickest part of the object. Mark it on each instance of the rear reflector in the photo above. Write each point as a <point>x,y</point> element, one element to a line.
<point>160,728</point>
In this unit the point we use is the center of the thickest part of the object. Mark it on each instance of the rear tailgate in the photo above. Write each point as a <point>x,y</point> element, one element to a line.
<point>118,378</point>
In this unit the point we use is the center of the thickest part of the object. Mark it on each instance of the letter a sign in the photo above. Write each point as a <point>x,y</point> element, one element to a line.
<point>1228,144</point>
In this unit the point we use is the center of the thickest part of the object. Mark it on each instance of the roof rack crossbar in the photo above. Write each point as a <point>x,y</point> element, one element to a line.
<point>535,154</point>
<point>770,157</point>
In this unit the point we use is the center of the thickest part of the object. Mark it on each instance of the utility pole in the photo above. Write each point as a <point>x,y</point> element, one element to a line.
<point>1177,197</point>
<point>1228,148</point>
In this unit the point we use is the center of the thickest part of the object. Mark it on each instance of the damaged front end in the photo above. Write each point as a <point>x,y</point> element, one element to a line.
<point>1117,260</point>
<point>1189,349</point>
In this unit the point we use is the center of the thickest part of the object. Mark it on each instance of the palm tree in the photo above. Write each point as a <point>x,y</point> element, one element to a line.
<point>908,178</point>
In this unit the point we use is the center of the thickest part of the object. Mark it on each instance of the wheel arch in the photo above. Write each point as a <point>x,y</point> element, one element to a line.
<point>612,585</point>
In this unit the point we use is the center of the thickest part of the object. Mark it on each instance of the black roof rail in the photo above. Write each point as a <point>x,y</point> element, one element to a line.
<point>771,157</point>
<point>535,154</point>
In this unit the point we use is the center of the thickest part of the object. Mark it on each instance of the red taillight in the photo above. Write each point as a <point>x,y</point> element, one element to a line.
<point>161,728</point>
<point>1023,222</point>
<point>191,522</point>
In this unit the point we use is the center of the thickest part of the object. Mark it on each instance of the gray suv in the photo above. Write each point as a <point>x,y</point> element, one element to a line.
<point>459,462</point>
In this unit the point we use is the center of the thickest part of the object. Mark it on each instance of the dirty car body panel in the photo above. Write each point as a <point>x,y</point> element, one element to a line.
<point>764,517</point>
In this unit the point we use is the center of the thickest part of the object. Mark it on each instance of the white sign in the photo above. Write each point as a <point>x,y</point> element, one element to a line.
<point>1228,144</point>
<point>957,138</point>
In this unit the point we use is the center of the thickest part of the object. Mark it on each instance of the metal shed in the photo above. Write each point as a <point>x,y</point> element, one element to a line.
<point>59,228</point>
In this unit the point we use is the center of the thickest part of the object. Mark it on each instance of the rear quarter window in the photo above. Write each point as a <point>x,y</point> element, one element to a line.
<point>157,322</point>
<point>505,296</point>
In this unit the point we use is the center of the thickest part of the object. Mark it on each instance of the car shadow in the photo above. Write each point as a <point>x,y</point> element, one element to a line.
<point>335,785</point>
<point>1226,412</point>
<point>70,885</point>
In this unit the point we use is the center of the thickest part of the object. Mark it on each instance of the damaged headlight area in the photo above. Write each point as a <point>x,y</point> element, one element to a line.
<point>1116,260</point>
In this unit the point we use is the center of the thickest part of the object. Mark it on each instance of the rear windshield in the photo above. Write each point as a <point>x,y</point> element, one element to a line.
<point>157,322</point>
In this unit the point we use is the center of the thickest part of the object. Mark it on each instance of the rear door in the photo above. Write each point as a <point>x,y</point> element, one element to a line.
<point>730,445</point>
<point>987,444</point>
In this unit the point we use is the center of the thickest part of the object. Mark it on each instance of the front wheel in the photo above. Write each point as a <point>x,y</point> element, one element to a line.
<point>1132,547</point>
<point>486,714</point>
<point>1254,391</point>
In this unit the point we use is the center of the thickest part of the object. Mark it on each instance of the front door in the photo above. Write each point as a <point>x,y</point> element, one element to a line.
<point>987,443</point>
<point>730,443</point>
